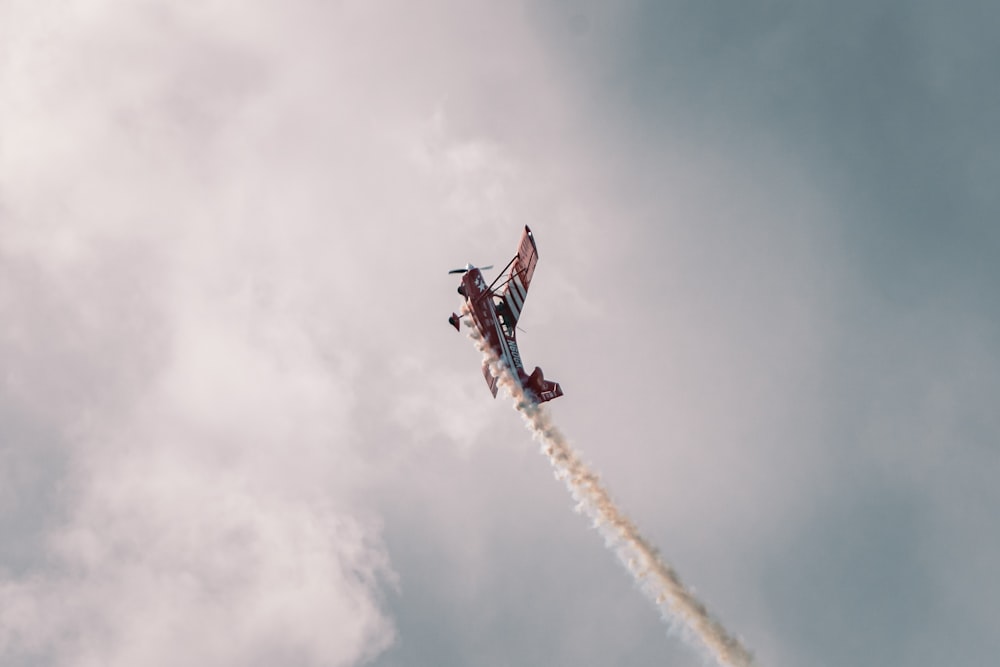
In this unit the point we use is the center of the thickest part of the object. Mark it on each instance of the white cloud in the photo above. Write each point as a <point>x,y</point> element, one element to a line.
<point>211,218</point>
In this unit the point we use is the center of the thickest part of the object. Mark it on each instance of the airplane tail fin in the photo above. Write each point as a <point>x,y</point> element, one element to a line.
<point>544,390</point>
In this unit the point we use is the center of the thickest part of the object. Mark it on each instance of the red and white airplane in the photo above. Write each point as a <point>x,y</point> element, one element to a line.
<point>495,310</point>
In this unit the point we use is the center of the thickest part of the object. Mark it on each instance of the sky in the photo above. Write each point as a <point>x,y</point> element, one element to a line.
<point>236,428</point>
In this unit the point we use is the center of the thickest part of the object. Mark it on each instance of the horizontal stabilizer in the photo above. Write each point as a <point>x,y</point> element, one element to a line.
<point>543,390</point>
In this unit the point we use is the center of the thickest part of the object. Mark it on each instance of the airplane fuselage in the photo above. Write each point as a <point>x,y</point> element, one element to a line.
<point>491,324</point>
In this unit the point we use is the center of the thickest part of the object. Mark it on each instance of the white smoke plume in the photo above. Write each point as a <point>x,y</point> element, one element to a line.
<point>679,607</point>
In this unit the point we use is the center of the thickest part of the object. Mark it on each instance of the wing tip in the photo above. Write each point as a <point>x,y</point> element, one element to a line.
<point>531,237</point>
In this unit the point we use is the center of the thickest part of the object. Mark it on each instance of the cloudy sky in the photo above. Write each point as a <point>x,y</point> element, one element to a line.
<point>236,429</point>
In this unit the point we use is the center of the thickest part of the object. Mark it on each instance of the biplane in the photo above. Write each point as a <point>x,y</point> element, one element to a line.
<point>495,310</point>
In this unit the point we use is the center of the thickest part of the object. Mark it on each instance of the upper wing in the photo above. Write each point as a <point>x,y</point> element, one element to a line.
<point>519,279</point>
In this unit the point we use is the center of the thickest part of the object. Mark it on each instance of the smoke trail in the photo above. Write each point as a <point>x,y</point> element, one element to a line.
<point>678,606</point>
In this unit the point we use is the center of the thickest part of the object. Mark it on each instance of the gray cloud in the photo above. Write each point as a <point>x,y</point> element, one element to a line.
<point>809,186</point>
<point>232,409</point>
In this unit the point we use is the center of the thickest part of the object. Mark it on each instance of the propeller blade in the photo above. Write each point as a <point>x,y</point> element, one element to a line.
<point>469,267</point>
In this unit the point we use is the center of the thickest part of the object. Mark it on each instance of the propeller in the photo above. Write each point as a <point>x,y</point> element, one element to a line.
<point>469,267</point>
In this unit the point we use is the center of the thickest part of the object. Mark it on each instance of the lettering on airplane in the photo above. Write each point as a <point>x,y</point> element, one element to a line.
<point>514,354</point>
